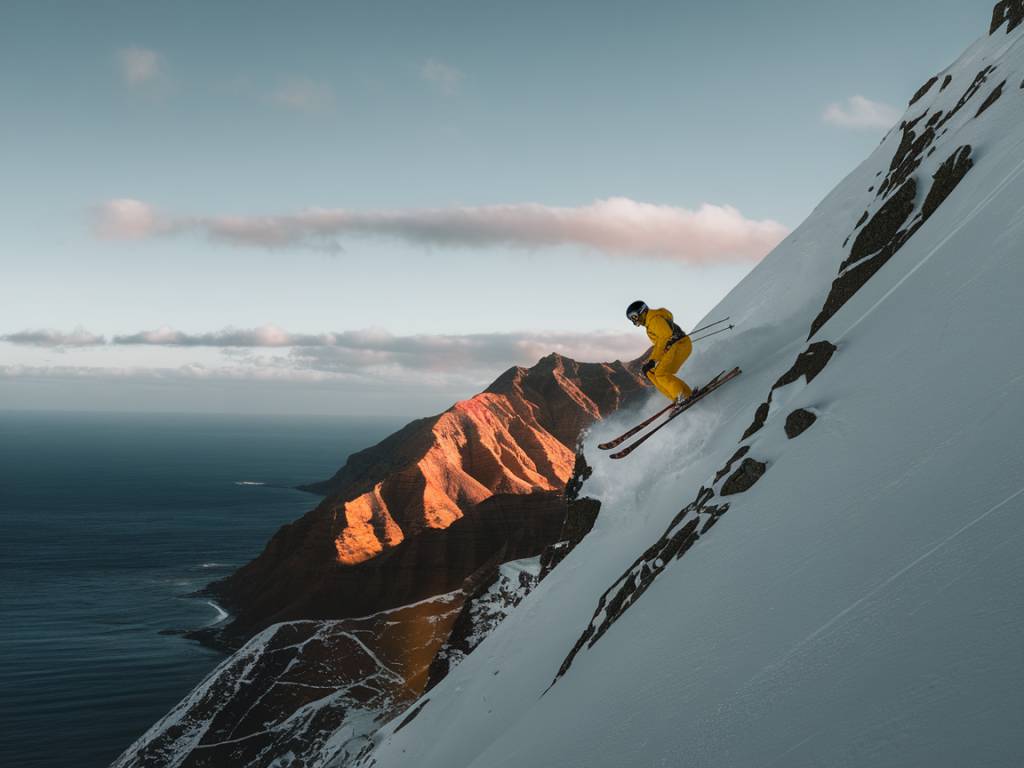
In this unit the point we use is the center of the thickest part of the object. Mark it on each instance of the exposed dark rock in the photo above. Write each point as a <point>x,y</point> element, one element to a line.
<point>760,417</point>
<point>716,513</point>
<point>743,479</point>
<point>992,98</point>
<point>580,517</point>
<point>809,363</point>
<point>680,535</point>
<point>884,224</point>
<point>945,83</point>
<point>923,90</point>
<point>945,180</point>
<point>853,279</point>
<point>908,156</point>
<point>798,422</point>
<point>728,465</point>
<point>581,471</point>
<point>862,219</point>
<point>1011,11</point>
<point>979,80</point>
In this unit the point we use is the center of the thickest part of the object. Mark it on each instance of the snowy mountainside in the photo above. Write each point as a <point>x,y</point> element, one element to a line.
<point>859,599</point>
<point>302,687</point>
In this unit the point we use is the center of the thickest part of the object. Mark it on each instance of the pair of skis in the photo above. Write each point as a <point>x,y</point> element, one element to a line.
<point>672,410</point>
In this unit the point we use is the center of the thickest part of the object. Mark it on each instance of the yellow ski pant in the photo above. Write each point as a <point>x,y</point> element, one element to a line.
<point>663,375</point>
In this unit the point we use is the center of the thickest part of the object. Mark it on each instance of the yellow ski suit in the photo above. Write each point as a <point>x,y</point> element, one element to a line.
<point>669,357</point>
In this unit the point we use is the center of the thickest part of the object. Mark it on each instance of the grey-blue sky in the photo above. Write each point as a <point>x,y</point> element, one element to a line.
<point>272,108</point>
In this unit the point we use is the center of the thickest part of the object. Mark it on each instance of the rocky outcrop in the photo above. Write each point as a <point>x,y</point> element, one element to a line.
<point>798,422</point>
<point>1009,12</point>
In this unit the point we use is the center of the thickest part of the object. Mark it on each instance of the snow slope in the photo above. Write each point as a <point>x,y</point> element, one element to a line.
<point>863,602</point>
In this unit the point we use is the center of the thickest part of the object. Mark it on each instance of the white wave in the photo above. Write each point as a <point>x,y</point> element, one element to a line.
<point>248,482</point>
<point>221,613</point>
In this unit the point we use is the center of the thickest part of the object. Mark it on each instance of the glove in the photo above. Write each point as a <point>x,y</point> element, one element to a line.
<point>648,367</point>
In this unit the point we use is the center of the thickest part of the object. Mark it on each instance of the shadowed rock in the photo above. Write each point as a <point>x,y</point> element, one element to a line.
<point>760,417</point>
<point>743,479</point>
<point>1011,11</point>
<point>923,90</point>
<point>884,224</point>
<point>809,363</point>
<point>946,179</point>
<point>992,98</point>
<point>728,465</point>
<point>798,422</point>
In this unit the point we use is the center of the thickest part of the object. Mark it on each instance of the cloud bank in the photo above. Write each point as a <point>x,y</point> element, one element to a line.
<point>861,112</point>
<point>54,339</point>
<point>354,352</point>
<point>615,226</point>
<point>442,367</point>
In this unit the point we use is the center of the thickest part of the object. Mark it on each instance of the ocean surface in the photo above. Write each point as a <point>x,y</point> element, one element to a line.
<point>107,523</point>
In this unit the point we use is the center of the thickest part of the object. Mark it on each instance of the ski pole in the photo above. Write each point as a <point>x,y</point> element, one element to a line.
<point>709,325</point>
<point>713,333</point>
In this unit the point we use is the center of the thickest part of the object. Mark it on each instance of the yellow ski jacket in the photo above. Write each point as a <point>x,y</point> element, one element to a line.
<point>661,330</point>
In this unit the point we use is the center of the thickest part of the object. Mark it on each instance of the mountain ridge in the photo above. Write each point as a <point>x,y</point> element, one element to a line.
<point>516,439</point>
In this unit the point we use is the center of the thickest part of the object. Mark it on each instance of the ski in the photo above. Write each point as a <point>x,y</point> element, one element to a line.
<point>707,390</point>
<point>647,422</point>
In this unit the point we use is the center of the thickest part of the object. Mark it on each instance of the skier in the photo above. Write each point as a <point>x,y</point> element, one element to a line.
<point>671,348</point>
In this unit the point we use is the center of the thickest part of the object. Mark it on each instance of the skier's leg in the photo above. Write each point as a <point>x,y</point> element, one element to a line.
<point>664,372</point>
<point>659,383</point>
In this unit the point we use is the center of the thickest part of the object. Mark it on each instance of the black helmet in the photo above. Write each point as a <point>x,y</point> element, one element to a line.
<point>635,311</point>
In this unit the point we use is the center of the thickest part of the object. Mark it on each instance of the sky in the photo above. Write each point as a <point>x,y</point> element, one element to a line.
<point>377,207</point>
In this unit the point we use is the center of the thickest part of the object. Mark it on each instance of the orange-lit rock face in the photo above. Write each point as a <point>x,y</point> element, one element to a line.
<point>516,437</point>
<point>368,529</point>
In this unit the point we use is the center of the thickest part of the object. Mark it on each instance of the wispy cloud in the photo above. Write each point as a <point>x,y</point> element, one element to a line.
<point>615,226</point>
<point>350,350</point>
<point>54,339</point>
<point>303,95</point>
<point>441,76</point>
<point>861,112</point>
<point>138,65</point>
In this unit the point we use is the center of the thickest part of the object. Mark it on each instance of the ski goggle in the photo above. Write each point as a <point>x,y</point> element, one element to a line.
<point>634,317</point>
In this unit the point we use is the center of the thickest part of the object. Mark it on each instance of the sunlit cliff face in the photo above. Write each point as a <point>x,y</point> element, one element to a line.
<point>500,441</point>
<point>489,444</point>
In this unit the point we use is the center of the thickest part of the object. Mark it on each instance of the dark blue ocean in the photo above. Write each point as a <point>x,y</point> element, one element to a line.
<point>107,523</point>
